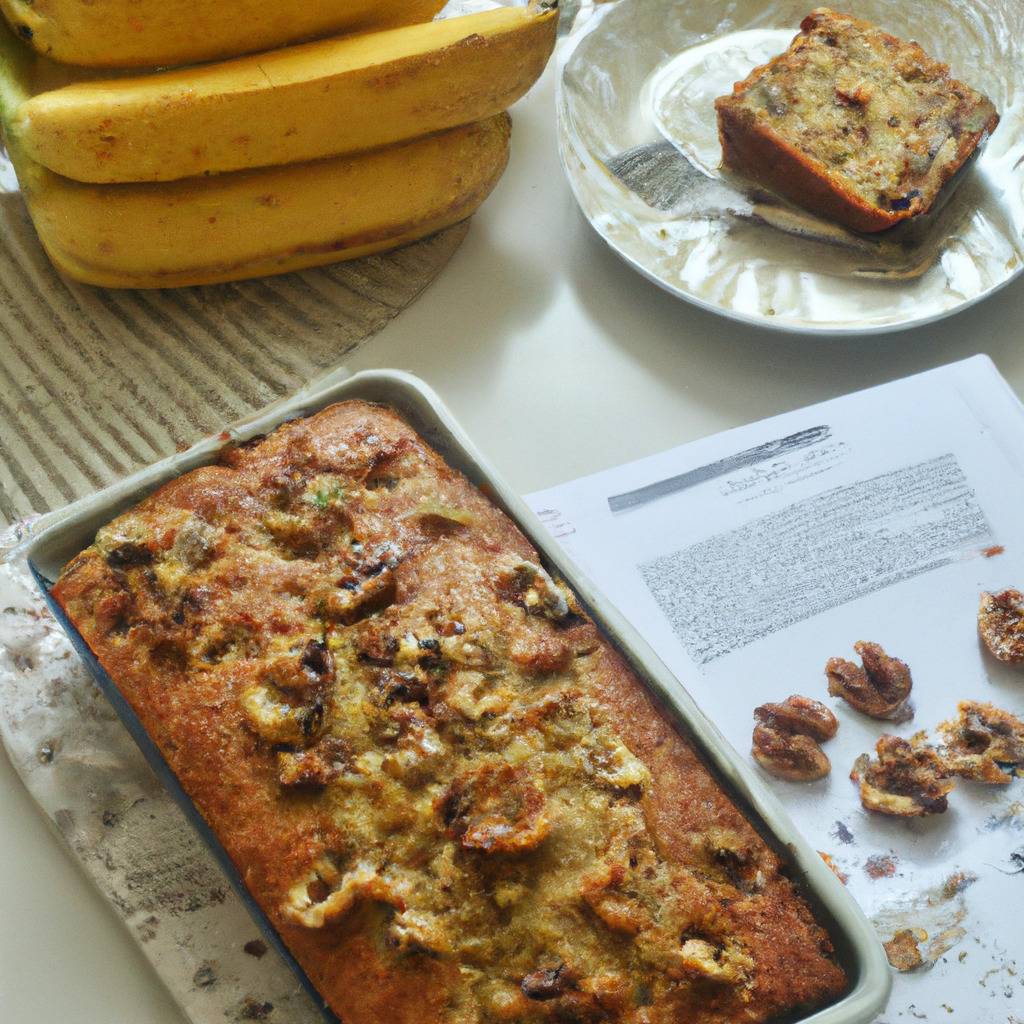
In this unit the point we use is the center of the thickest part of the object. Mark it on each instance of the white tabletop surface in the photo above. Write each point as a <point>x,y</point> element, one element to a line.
<point>559,360</point>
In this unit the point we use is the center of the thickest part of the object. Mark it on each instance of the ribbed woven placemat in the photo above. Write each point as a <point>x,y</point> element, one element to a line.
<point>95,383</point>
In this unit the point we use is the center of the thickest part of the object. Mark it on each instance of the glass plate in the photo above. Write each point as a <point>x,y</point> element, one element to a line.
<point>639,144</point>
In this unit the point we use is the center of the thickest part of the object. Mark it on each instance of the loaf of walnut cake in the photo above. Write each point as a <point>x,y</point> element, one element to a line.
<point>449,793</point>
<point>853,124</point>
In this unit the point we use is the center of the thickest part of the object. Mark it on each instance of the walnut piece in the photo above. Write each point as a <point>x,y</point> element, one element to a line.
<point>909,780</point>
<point>1001,625</point>
<point>326,894</point>
<point>723,964</point>
<point>495,809</point>
<point>787,735</point>
<point>546,983</point>
<point>274,719</point>
<point>880,687</point>
<point>528,584</point>
<point>314,768</point>
<point>982,743</point>
<point>606,891</point>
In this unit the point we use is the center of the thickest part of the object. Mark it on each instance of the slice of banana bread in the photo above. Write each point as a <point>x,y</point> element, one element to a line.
<point>853,124</point>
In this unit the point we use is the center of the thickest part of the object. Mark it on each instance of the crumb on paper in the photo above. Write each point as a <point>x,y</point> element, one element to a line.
<point>842,833</point>
<point>255,1009</point>
<point>903,949</point>
<point>881,865</point>
<point>995,549</point>
<point>834,867</point>
<point>957,883</point>
<point>1017,860</point>
<point>206,975</point>
<point>1011,817</point>
<point>256,948</point>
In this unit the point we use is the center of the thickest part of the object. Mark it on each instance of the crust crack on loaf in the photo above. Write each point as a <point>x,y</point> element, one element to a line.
<point>854,124</point>
<point>449,793</point>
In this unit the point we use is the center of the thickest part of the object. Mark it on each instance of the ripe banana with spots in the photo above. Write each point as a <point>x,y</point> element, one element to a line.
<point>266,221</point>
<point>159,33</point>
<point>303,155</point>
<point>299,103</point>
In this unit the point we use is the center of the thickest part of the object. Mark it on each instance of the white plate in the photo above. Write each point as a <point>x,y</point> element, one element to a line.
<point>639,144</point>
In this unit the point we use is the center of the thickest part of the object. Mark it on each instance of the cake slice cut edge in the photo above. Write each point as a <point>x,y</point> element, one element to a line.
<point>853,124</point>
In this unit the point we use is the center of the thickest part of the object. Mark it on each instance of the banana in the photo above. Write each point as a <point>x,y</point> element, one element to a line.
<point>150,33</point>
<point>299,103</point>
<point>268,221</point>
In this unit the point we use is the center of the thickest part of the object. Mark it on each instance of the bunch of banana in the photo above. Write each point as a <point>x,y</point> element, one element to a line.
<point>306,154</point>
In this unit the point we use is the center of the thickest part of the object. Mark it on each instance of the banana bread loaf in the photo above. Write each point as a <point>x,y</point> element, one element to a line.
<point>449,793</point>
<point>853,124</point>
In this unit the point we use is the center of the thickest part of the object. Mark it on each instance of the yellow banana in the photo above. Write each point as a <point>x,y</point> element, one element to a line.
<point>299,103</point>
<point>150,33</point>
<point>269,221</point>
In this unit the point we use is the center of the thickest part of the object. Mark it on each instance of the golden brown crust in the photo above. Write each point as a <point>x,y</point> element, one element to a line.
<point>452,797</point>
<point>853,124</point>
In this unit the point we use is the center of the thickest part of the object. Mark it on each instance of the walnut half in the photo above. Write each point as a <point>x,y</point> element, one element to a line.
<point>495,809</point>
<point>879,687</point>
<point>787,735</point>
<point>1001,625</point>
<point>909,780</point>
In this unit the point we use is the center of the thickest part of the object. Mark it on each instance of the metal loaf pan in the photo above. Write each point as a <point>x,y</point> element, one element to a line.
<point>857,948</point>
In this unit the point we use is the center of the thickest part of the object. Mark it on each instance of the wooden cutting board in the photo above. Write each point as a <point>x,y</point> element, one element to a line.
<point>97,383</point>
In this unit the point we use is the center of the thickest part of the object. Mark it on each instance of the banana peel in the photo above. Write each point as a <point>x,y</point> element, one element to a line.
<point>291,105</point>
<point>152,33</point>
<point>260,222</point>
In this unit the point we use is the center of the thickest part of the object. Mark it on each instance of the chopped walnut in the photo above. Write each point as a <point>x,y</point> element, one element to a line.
<point>1001,625</point>
<point>326,895</point>
<point>531,586</point>
<point>496,809</point>
<point>908,780</point>
<point>412,932</point>
<point>613,763</point>
<point>547,983</point>
<point>356,599</point>
<point>735,856</point>
<point>880,689</point>
<point>983,742</point>
<point>276,720</point>
<point>418,749</point>
<point>305,673</point>
<point>473,694</point>
<point>604,891</point>
<point>787,735</point>
<point>194,542</point>
<point>724,964</point>
<point>314,768</point>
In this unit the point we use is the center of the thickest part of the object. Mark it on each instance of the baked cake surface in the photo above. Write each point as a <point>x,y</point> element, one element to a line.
<point>450,794</point>
<point>853,123</point>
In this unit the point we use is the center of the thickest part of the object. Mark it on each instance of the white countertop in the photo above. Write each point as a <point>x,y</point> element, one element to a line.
<point>559,360</point>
